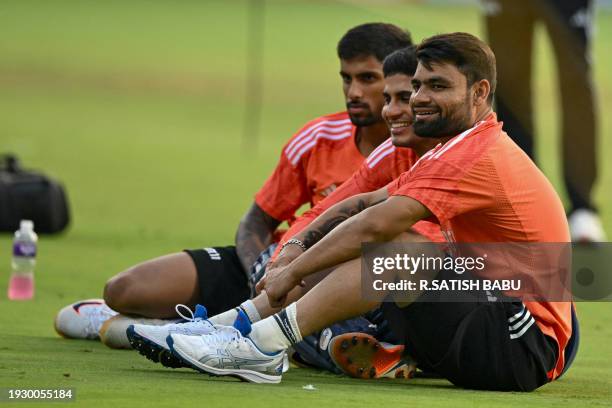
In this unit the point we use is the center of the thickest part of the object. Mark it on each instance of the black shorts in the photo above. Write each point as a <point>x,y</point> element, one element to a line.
<point>222,279</point>
<point>479,344</point>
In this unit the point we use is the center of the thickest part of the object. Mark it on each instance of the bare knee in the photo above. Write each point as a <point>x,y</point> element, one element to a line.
<point>120,291</point>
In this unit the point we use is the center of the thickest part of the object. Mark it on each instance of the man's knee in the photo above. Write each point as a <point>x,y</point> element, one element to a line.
<point>120,291</point>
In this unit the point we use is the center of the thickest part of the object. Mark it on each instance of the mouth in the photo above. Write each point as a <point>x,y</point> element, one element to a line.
<point>424,113</point>
<point>398,127</point>
<point>357,108</point>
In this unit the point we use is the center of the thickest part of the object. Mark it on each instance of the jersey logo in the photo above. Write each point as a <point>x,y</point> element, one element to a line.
<point>213,253</point>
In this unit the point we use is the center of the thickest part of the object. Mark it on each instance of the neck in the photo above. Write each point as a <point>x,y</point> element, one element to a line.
<point>481,115</point>
<point>368,138</point>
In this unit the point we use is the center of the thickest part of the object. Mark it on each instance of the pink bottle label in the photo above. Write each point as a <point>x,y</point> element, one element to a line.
<point>21,287</point>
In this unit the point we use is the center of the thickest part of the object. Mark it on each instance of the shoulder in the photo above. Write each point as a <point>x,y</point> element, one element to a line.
<point>332,128</point>
<point>384,150</point>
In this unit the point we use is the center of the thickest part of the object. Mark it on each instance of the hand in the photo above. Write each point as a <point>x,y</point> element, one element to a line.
<point>277,283</point>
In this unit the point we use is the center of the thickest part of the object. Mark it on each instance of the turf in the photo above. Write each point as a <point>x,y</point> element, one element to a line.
<point>138,107</point>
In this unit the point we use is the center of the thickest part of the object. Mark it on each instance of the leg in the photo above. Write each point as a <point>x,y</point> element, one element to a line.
<point>569,27</point>
<point>509,25</point>
<point>211,276</point>
<point>154,287</point>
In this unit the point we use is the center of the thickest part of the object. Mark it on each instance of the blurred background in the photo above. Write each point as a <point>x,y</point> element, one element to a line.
<point>141,109</point>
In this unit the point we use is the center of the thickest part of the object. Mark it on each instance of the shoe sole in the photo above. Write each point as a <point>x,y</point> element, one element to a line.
<point>153,351</point>
<point>360,355</point>
<point>245,375</point>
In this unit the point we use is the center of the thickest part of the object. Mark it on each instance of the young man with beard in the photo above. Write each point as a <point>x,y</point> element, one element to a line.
<point>479,187</point>
<point>319,157</point>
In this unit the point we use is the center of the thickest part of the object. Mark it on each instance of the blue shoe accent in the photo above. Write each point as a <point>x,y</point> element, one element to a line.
<point>242,323</point>
<point>201,312</point>
<point>170,342</point>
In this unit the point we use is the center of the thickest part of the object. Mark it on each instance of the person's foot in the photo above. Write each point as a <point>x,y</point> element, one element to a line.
<point>585,226</point>
<point>150,341</point>
<point>83,319</point>
<point>360,355</point>
<point>228,352</point>
<point>113,331</point>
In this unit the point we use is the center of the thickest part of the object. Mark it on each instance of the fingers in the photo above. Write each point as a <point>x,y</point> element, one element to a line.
<point>261,284</point>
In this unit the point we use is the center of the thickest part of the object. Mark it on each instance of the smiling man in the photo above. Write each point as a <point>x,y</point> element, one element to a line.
<point>479,187</point>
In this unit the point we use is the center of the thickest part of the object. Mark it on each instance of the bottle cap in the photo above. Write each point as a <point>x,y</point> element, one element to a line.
<point>26,225</point>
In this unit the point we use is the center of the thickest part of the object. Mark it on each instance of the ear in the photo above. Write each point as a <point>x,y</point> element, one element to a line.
<point>481,90</point>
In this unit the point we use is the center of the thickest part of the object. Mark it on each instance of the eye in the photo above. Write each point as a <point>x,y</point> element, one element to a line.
<point>387,99</point>
<point>416,86</point>
<point>346,78</point>
<point>406,96</point>
<point>437,86</point>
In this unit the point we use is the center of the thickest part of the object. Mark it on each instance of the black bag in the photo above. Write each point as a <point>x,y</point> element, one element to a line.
<point>27,195</point>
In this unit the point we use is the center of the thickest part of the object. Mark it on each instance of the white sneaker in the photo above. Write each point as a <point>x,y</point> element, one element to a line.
<point>585,226</point>
<point>113,331</point>
<point>83,319</point>
<point>226,351</point>
<point>150,341</point>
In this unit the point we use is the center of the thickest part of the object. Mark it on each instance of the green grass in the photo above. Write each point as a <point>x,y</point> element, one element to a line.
<point>138,107</point>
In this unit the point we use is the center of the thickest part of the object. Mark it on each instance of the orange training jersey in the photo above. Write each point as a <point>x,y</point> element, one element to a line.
<point>481,187</point>
<point>317,159</point>
<point>381,167</point>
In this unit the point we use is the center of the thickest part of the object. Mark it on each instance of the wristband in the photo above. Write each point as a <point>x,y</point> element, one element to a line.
<point>295,241</point>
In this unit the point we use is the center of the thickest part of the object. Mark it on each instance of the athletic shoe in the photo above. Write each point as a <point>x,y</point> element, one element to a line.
<point>113,331</point>
<point>585,226</point>
<point>83,319</point>
<point>360,355</point>
<point>229,352</point>
<point>150,341</point>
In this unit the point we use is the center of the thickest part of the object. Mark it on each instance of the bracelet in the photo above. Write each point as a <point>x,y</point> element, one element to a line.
<point>295,241</point>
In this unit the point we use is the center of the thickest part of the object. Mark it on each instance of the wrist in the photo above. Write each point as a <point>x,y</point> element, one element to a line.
<point>293,243</point>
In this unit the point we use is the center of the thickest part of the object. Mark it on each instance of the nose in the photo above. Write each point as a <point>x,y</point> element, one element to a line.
<point>392,110</point>
<point>355,92</point>
<point>420,97</point>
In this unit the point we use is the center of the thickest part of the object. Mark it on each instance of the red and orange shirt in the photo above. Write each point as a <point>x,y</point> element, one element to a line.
<point>316,160</point>
<point>382,166</point>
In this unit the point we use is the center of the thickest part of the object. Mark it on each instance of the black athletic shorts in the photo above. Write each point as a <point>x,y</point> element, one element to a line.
<point>222,279</point>
<point>480,344</point>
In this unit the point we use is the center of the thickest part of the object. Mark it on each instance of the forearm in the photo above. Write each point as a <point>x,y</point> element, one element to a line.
<point>378,223</point>
<point>337,214</point>
<point>255,233</point>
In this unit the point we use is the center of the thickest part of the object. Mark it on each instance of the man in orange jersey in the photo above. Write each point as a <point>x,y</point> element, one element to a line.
<point>479,187</point>
<point>319,157</point>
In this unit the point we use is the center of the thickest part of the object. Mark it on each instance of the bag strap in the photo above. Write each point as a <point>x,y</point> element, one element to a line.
<point>9,162</point>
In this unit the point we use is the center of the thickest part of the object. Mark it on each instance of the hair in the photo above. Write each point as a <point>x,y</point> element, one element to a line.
<point>402,61</point>
<point>472,57</point>
<point>372,39</point>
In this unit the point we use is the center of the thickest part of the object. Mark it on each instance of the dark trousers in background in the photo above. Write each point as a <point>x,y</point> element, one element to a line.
<point>510,25</point>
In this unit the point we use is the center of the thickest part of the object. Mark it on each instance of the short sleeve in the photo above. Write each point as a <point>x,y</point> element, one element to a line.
<point>285,191</point>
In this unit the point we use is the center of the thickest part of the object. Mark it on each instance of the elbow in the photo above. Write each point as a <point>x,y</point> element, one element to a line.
<point>377,229</point>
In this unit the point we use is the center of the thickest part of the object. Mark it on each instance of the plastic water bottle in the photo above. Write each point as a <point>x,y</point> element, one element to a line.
<point>21,284</point>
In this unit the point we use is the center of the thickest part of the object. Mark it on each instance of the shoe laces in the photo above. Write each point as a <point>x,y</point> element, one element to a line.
<point>223,335</point>
<point>190,317</point>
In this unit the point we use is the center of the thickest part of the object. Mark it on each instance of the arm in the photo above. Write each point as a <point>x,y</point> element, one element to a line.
<point>255,233</point>
<point>348,189</point>
<point>377,223</point>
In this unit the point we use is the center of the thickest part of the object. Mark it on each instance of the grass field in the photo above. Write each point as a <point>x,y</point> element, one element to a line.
<point>138,108</point>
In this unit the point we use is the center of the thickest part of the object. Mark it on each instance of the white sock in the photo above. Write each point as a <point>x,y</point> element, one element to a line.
<point>251,311</point>
<point>278,332</point>
<point>224,319</point>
